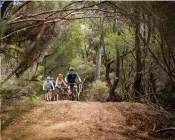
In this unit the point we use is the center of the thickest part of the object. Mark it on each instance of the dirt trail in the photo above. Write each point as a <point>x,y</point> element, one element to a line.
<point>67,120</point>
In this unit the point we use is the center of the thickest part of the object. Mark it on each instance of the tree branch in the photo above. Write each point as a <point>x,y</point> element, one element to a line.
<point>19,30</point>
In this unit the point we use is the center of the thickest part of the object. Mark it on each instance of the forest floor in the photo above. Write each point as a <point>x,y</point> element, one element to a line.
<point>71,120</point>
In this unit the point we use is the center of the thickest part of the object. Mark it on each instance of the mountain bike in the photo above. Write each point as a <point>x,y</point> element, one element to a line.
<point>62,93</point>
<point>75,91</point>
<point>51,95</point>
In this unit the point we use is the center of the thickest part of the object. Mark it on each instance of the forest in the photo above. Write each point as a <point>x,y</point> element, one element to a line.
<point>123,52</point>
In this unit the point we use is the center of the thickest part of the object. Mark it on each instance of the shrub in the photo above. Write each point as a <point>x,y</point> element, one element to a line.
<point>97,91</point>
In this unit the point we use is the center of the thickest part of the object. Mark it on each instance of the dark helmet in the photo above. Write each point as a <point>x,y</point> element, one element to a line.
<point>71,69</point>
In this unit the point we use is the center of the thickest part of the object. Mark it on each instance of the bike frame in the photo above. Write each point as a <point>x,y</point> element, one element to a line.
<point>74,90</point>
<point>49,95</point>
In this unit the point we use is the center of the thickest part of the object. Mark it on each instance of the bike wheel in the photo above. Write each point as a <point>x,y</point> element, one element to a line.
<point>57,97</point>
<point>77,97</point>
<point>48,97</point>
<point>73,96</point>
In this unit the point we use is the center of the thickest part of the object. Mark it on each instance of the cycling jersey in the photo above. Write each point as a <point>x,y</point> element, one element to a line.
<point>71,77</point>
<point>60,83</point>
<point>48,85</point>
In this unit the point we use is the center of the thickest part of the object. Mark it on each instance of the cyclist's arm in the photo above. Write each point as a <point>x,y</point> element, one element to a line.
<point>78,77</point>
<point>64,83</point>
<point>56,83</point>
<point>53,86</point>
<point>65,79</point>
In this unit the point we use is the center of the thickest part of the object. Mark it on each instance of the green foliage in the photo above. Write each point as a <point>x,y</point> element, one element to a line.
<point>17,88</point>
<point>79,41</point>
<point>112,41</point>
<point>97,91</point>
<point>16,110</point>
<point>96,43</point>
<point>84,68</point>
<point>122,40</point>
<point>3,25</point>
<point>64,50</point>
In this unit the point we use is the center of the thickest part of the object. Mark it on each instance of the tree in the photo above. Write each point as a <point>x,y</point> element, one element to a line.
<point>64,50</point>
<point>138,77</point>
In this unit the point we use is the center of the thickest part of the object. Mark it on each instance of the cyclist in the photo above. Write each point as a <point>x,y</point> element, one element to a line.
<point>48,85</point>
<point>60,82</point>
<point>71,77</point>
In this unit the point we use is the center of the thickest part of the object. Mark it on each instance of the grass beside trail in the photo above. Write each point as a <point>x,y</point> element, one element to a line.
<point>10,111</point>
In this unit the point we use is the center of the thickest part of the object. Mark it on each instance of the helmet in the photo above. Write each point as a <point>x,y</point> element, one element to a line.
<point>60,75</point>
<point>48,78</point>
<point>71,69</point>
<point>51,78</point>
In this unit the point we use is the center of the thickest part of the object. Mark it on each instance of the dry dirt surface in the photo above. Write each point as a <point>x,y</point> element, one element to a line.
<point>71,120</point>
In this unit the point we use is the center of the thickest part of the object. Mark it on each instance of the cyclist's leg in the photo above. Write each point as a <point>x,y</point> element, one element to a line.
<point>71,88</point>
<point>58,93</point>
<point>57,90</point>
<point>57,97</point>
<point>55,93</point>
<point>47,95</point>
<point>76,91</point>
<point>50,95</point>
<point>72,91</point>
<point>45,92</point>
<point>68,90</point>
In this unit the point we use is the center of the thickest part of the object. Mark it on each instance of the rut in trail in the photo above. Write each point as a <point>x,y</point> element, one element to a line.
<point>67,120</point>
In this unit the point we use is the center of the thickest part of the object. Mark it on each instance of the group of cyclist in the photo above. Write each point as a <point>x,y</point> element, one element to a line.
<point>50,85</point>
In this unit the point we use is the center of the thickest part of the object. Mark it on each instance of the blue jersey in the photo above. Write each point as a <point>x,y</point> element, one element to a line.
<point>71,77</point>
<point>48,85</point>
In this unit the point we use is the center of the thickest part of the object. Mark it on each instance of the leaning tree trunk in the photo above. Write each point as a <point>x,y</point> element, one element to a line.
<point>31,55</point>
<point>112,96</point>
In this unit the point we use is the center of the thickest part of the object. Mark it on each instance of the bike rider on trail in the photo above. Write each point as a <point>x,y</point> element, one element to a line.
<point>60,82</point>
<point>71,77</point>
<point>48,86</point>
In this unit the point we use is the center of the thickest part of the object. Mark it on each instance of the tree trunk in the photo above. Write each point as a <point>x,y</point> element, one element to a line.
<point>107,67</point>
<point>112,96</point>
<point>30,56</point>
<point>99,52</point>
<point>0,70</point>
<point>4,7</point>
<point>98,64</point>
<point>138,76</point>
<point>107,62</point>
